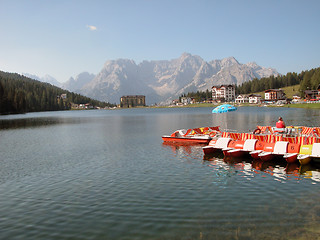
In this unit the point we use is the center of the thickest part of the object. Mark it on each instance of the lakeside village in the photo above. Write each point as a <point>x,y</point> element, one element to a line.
<point>226,93</point>
<point>221,93</point>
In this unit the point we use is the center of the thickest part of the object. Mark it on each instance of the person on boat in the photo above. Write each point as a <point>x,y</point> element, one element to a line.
<point>280,126</point>
<point>280,123</point>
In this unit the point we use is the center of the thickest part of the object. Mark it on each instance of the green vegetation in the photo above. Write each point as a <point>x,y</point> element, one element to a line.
<point>199,105</point>
<point>19,94</point>
<point>304,105</point>
<point>289,91</point>
<point>306,80</point>
<point>198,96</point>
<point>291,84</point>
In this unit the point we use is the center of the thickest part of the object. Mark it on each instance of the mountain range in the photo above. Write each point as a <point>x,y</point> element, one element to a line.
<point>163,80</point>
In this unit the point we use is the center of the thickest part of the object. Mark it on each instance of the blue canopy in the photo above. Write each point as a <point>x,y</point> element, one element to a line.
<point>224,108</point>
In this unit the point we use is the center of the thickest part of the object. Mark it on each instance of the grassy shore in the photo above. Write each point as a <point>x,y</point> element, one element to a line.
<point>289,91</point>
<point>304,105</point>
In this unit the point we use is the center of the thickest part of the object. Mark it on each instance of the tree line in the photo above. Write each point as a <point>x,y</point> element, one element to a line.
<point>308,80</point>
<point>19,94</point>
<point>198,96</point>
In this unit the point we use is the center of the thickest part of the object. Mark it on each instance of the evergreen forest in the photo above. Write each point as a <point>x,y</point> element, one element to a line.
<point>308,80</point>
<point>19,94</point>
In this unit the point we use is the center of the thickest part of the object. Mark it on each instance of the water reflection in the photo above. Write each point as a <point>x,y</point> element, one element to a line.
<point>280,170</point>
<point>35,122</point>
<point>184,152</point>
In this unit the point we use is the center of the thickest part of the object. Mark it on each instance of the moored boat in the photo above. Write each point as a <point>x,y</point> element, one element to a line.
<point>268,147</point>
<point>292,151</point>
<point>304,159</point>
<point>299,155</point>
<point>311,152</point>
<point>191,139</point>
<point>265,143</point>
<point>243,148</point>
<point>196,135</point>
<point>216,145</point>
<point>279,149</point>
<point>292,139</point>
<point>233,147</point>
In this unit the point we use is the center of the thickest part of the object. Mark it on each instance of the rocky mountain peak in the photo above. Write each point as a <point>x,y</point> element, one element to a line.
<point>228,62</point>
<point>75,84</point>
<point>165,79</point>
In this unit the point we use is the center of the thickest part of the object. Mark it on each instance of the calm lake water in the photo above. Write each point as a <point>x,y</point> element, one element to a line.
<point>107,175</point>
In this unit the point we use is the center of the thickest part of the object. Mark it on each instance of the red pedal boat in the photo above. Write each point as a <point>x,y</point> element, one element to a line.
<point>196,135</point>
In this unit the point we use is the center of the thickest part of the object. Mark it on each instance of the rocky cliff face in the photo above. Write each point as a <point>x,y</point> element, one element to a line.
<point>163,80</point>
<point>75,84</point>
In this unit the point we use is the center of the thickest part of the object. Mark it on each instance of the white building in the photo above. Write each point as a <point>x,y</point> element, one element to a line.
<point>296,98</point>
<point>242,98</point>
<point>223,92</point>
<point>186,100</point>
<point>254,98</point>
<point>274,94</point>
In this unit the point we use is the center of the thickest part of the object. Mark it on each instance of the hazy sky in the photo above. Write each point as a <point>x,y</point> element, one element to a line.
<point>63,38</point>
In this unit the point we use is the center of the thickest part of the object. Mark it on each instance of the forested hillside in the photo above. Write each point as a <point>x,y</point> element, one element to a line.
<point>307,80</point>
<point>19,94</point>
<point>198,96</point>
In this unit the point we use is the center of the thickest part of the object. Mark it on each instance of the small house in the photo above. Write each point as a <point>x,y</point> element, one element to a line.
<point>274,95</point>
<point>255,98</point>
<point>185,100</point>
<point>242,98</point>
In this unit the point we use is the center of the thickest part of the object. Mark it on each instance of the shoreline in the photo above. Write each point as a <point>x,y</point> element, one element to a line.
<point>295,105</point>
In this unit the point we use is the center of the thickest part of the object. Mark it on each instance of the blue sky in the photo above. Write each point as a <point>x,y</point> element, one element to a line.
<point>65,38</point>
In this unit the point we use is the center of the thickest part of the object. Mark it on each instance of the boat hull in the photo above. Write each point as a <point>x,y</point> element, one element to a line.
<point>304,159</point>
<point>291,158</point>
<point>255,154</point>
<point>266,156</point>
<point>225,151</point>
<point>236,153</point>
<point>315,159</point>
<point>186,140</point>
<point>209,150</point>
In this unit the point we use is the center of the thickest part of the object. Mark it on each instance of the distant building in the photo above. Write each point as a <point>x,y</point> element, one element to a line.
<point>274,95</point>
<point>132,101</point>
<point>242,98</point>
<point>223,93</point>
<point>311,94</point>
<point>248,98</point>
<point>185,100</point>
<point>296,98</point>
<point>175,101</point>
<point>88,106</point>
<point>62,96</point>
<point>255,98</point>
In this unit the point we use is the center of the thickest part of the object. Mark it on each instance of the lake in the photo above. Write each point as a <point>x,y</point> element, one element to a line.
<point>106,174</point>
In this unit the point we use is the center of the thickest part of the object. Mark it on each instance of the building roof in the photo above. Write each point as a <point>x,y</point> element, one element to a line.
<point>243,95</point>
<point>273,90</point>
<point>310,91</point>
<point>133,96</point>
<point>254,95</point>
<point>223,85</point>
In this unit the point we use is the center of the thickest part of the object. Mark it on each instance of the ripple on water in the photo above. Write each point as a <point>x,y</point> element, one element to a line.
<point>110,177</point>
